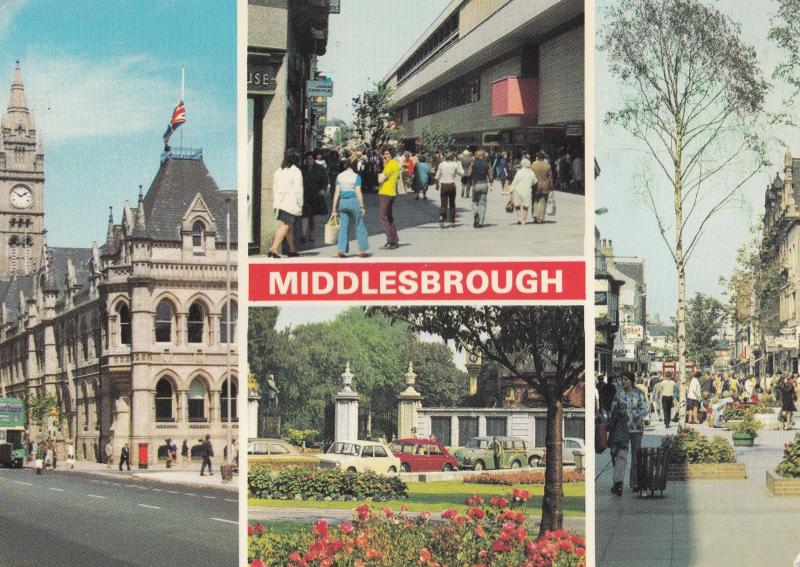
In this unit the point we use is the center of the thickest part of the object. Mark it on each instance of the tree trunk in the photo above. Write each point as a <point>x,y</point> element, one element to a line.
<point>553,501</point>
<point>680,265</point>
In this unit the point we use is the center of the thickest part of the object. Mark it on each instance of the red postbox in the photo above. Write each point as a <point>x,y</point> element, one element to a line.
<point>143,455</point>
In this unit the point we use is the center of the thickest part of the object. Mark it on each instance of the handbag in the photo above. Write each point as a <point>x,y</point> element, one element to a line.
<point>332,229</point>
<point>600,437</point>
<point>510,206</point>
<point>551,204</point>
<point>401,184</point>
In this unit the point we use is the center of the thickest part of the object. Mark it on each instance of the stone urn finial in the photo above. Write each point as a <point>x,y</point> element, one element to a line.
<point>347,377</point>
<point>411,377</point>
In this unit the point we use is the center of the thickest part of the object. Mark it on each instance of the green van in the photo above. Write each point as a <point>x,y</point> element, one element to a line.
<point>478,453</point>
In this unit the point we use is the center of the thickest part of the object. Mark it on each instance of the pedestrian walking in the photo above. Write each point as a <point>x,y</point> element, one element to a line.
<point>788,398</point>
<point>521,190</point>
<point>386,196</point>
<point>466,160</point>
<point>208,452</point>
<point>185,452</point>
<point>666,389</point>
<point>48,455</point>
<point>348,204</point>
<point>287,200</point>
<point>544,182</point>
<point>447,173</point>
<point>109,451</point>
<point>693,396</point>
<point>501,168</point>
<point>422,177</point>
<point>497,452</point>
<point>125,457</point>
<point>315,184</point>
<point>39,455</point>
<point>71,456</point>
<point>628,412</point>
<point>482,178</point>
<point>564,172</point>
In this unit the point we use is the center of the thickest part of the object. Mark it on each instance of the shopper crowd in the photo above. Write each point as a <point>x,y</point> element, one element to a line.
<point>331,184</point>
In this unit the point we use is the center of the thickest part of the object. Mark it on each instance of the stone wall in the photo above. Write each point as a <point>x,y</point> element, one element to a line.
<point>782,486</point>
<point>706,471</point>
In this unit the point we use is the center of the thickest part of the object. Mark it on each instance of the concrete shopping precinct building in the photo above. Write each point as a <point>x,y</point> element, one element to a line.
<point>502,73</point>
<point>128,339</point>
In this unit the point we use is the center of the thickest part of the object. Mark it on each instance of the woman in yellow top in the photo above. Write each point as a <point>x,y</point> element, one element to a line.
<point>386,196</point>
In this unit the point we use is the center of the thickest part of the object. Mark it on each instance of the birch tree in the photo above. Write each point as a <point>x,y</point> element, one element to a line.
<point>693,96</point>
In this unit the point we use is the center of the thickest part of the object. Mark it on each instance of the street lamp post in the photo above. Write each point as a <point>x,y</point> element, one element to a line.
<point>228,320</point>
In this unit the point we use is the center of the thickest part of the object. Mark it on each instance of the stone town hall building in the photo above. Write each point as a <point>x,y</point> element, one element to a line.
<point>129,336</point>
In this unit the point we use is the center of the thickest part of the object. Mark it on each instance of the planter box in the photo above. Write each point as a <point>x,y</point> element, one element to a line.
<point>743,440</point>
<point>782,486</point>
<point>706,471</point>
<point>731,424</point>
<point>768,420</point>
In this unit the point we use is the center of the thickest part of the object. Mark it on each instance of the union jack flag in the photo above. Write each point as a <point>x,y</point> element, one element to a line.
<point>178,118</point>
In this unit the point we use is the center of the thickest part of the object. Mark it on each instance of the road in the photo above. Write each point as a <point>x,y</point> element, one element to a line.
<point>421,237</point>
<point>67,518</point>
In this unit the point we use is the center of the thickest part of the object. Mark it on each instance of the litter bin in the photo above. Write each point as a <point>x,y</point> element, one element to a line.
<point>227,472</point>
<point>144,456</point>
<point>578,454</point>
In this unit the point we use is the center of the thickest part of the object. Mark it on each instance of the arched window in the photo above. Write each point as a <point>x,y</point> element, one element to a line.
<point>84,341</point>
<point>164,322</point>
<point>13,254</point>
<point>198,233</point>
<point>124,316</point>
<point>164,401</point>
<point>195,322</point>
<point>13,223</point>
<point>197,400</point>
<point>223,323</point>
<point>224,400</point>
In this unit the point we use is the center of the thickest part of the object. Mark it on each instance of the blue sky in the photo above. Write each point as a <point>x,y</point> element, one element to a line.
<point>631,226</point>
<point>366,40</point>
<point>102,79</point>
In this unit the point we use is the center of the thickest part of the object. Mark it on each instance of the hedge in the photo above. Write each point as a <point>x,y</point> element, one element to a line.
<point>319,484</point>
<point>691,447</point>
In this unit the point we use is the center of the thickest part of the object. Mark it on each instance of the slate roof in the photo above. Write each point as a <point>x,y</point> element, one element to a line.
<point>634,270</point>
<point>81,260</point>
<point>9,293</point>
<point>177,182</point>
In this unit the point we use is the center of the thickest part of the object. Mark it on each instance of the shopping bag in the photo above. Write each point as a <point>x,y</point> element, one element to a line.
<point>401,185</point>
<point>39,466</point>
<point>551,204</point>
<point>332,229</point>
<point>600,437</point>
<point>510,206</point>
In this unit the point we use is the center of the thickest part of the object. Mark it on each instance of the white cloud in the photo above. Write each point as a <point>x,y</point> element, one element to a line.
<point>8,10</point>
<point>74,97</point>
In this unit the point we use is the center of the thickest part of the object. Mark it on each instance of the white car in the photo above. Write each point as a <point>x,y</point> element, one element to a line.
<point>360,456</point>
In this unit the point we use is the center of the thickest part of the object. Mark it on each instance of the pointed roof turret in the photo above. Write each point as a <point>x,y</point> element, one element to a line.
<point>140,226</point>
<point>18,121</point>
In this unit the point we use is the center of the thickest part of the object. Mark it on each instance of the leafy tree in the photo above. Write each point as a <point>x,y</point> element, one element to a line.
<point>785,32</point>
<point>694,96</point>
<point>343,132</point>
<point>543,346</point>
<point>435,138</point>
<point>373,125</point>
<point>704,317</point>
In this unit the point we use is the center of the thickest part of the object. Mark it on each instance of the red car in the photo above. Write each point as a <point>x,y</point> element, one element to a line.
<point>422,455</point>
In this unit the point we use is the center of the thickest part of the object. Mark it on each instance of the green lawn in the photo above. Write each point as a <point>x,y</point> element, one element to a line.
<point>439,496</point>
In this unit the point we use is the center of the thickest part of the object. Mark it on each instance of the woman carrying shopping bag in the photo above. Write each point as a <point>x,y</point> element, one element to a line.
<point>348,204</point>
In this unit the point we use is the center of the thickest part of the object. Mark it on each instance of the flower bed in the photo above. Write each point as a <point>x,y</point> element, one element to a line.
<point>333,484</point>
<point>496,534</point>
<point>526,477</point>
<point>790,465</point>
<point>691,447</point>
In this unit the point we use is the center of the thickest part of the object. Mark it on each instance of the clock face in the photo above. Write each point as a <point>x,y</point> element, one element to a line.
<point>473,358</point>
<point>21,197</point>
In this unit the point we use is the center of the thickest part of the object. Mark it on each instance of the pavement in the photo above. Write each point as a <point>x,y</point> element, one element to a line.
<point>334,516</point>
<point>76,519</point>
<point>735,523</point>
<point>421,236</point>
<point>178,474</point>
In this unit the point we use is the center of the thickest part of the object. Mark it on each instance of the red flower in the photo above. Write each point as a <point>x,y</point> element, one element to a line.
<point>479,532</point>
<point>500,546</point>
<point>363,512</point>
<point>404,507</point>
<point>519,517</point>
<point>476,513</point>
<point>424,555</point>
<point>250,530</point>
<point>447,514</point>
<point>346,528</point>
<point>388,512</point>
<point>260,528</point>
<point>373,554</point>
<point>425,516</point>
<point>257,563</point>
<point>321,529</point>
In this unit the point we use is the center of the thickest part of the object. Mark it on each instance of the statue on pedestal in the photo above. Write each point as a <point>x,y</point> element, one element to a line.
<point>272,392</point>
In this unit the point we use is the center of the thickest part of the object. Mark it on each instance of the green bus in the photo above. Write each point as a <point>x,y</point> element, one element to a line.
<point>12,432</point>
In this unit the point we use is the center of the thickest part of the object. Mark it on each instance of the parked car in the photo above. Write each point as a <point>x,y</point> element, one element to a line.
<point>422,455</point>
<point>360,456</point>
<point>477,453</point>
<point>568,445</point>
<point>277,451</point>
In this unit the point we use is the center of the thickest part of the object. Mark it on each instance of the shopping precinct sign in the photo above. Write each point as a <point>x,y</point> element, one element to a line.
<point>319,87</point>
<point>414,281</point>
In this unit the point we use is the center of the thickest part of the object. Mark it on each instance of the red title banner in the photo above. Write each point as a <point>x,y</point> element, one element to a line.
<point>418,281</point>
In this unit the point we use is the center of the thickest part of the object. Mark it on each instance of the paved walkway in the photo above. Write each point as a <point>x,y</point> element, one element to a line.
<point>420,234</point>
<point>735,523</point>
<point>311,515</point>
<point>179,474</point>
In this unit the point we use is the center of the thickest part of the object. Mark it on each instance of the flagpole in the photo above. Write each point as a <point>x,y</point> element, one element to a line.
<point>182,84</point>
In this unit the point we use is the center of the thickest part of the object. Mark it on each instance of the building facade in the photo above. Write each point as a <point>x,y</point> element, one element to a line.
<point>128,341</point>
<point>606,309</point>
<point>497,73</point>
<point>284,39</point>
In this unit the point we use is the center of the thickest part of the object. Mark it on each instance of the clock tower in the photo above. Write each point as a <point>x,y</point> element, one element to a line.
<point>21,187</point>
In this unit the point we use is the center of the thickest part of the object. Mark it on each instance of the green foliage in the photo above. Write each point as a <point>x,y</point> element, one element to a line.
<point>315,483</point>
<point>435,138</point>
<point>39,407</point>
<point>298,436</point>
<point>790,465</point>
<point>691,447</point>
<point>785,33</point>
<point>703,319</point>
<point>372,118</point>
<point>748,425</point>
<point>308,360</point>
